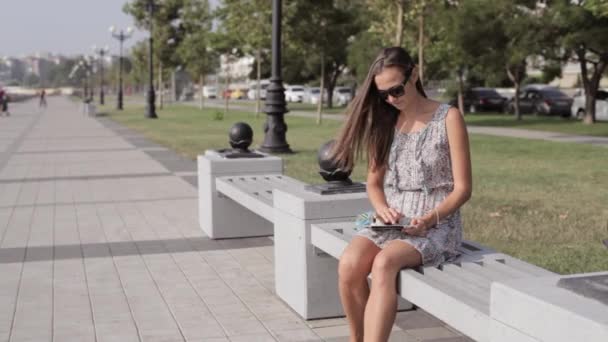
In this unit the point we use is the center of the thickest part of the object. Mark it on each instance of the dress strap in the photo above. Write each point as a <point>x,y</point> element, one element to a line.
<point>442,111</point>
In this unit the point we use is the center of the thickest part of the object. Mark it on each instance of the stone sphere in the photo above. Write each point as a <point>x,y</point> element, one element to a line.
<point>241,136</point>
<point>324,157</point>
<point>328,167</point>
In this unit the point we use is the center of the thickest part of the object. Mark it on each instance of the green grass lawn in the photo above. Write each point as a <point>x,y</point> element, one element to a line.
<point>544,202</point>
<point>539,123</point>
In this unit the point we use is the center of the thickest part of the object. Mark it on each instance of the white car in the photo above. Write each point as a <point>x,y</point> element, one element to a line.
<point>601,105</point>
<point>342,96</point>
<point>252,93</point>
<point>210,92</point>
<point>313,95</point>
<point>294,93</point>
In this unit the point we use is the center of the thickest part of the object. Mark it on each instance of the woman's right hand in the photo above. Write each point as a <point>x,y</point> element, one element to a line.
<point>388,215</point>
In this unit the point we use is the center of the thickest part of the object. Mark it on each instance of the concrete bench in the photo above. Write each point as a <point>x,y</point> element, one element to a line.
<point>458,293</point>
<point>251,197</point>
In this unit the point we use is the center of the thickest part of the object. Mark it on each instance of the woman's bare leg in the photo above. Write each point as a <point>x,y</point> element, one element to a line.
<point>355,265</point>
<point>382,303</point>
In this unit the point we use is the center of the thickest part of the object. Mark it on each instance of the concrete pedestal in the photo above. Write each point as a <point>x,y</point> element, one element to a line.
<point>306,278</point>
<point>221,217</point>
<point>543,310</point>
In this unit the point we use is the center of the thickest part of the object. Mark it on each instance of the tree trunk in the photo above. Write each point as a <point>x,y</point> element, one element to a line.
<point>258,91</point>
<point>591,85</point>
<point>322,88</point>
<point>421,46</point>
<point>461,91</point>
<point>161,86</point>
<point>202,85</point>
<point>516,76</point>
<point>173,90</point>
<point>399,33</point>
<point>226,95</point>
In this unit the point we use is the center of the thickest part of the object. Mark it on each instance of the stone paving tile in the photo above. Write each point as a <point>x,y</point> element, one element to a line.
<point>304,335</point>
<point>451,339</point>
<point>432,333</point>
<point>34,312</point>
<point>253,338</point>
<point>332,331</point>
<point>416,319</point>
<point>331,322</point>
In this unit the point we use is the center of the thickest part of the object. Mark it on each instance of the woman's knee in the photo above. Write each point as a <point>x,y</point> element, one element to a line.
<point>350,269</point>
<point>356,261</point>
<point>384,269</point>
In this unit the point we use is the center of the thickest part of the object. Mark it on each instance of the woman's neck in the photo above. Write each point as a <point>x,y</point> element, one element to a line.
<point>413,107</point>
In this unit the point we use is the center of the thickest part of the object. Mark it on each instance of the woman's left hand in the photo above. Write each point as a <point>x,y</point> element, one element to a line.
<point>420,227</point>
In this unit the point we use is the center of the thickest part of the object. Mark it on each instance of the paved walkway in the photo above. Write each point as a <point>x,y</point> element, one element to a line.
<point>497,131</point>
<point>99,241</point>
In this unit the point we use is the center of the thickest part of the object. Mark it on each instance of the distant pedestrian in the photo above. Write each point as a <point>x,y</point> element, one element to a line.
<point>4,102</point>
<point>42,98</point>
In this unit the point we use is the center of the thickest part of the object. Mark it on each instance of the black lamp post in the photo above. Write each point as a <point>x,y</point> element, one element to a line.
<point>275,127</point>
<point>102,51</point>
<point>150,106</point>
<point>121,36</point>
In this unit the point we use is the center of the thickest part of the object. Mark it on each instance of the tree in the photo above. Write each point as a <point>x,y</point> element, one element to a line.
<point>516,40</point>
<point>580,32</point>
<point>195,51</point>
<point>457,25</point>
<point>249,23</point>
<point>168,32</point>
<point>323,30</point>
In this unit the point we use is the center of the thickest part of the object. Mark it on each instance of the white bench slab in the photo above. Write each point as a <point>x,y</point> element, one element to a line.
<point>254,192</point>
<point>567,314</point>
<point>457,293</point>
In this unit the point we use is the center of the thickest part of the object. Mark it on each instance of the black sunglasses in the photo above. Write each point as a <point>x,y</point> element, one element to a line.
<point>396,91</point>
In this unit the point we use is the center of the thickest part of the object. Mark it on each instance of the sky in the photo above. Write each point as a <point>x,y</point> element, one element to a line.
<point>62,26</point>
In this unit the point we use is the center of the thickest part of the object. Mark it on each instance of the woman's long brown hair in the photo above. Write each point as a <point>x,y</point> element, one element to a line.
<point>371,121</point>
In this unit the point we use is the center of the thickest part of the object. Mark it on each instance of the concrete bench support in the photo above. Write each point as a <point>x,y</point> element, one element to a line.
<point>305,278</point>
<point>221,217</point>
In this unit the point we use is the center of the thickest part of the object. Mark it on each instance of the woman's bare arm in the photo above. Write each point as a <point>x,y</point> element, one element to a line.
<point>375,192</point>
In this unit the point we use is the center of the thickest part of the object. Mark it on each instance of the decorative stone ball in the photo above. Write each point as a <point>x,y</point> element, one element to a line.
<point>241,136</point>
<point>324,157</point>
<point>328,167</point>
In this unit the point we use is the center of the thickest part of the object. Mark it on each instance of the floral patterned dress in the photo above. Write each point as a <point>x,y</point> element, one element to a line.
<point>418,178</point>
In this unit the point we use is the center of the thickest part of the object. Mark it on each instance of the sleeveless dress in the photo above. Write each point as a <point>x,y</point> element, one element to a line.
<point>418,178</point>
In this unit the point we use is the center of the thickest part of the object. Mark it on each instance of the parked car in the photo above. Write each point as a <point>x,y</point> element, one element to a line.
<point>252,93</point>
<point>542,99</point>
<point>227,93</point>
<point>238,94</point>
<point>210,92</point>
<point>313,95</point>
<point>481,99</point>
<point>601,105</point>
<point>294,93</point>
<point>342,96</point>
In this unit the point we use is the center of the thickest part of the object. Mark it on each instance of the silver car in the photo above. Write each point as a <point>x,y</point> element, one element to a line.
<point>601,105</point>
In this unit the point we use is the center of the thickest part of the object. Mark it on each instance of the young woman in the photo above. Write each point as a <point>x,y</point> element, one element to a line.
<point>419,170</point>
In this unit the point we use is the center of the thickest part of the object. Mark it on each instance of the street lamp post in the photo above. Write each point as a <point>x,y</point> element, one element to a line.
<point>150,107</point>
<point>121,36</point>
<point>102,52</point>
<point>275,127</point>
